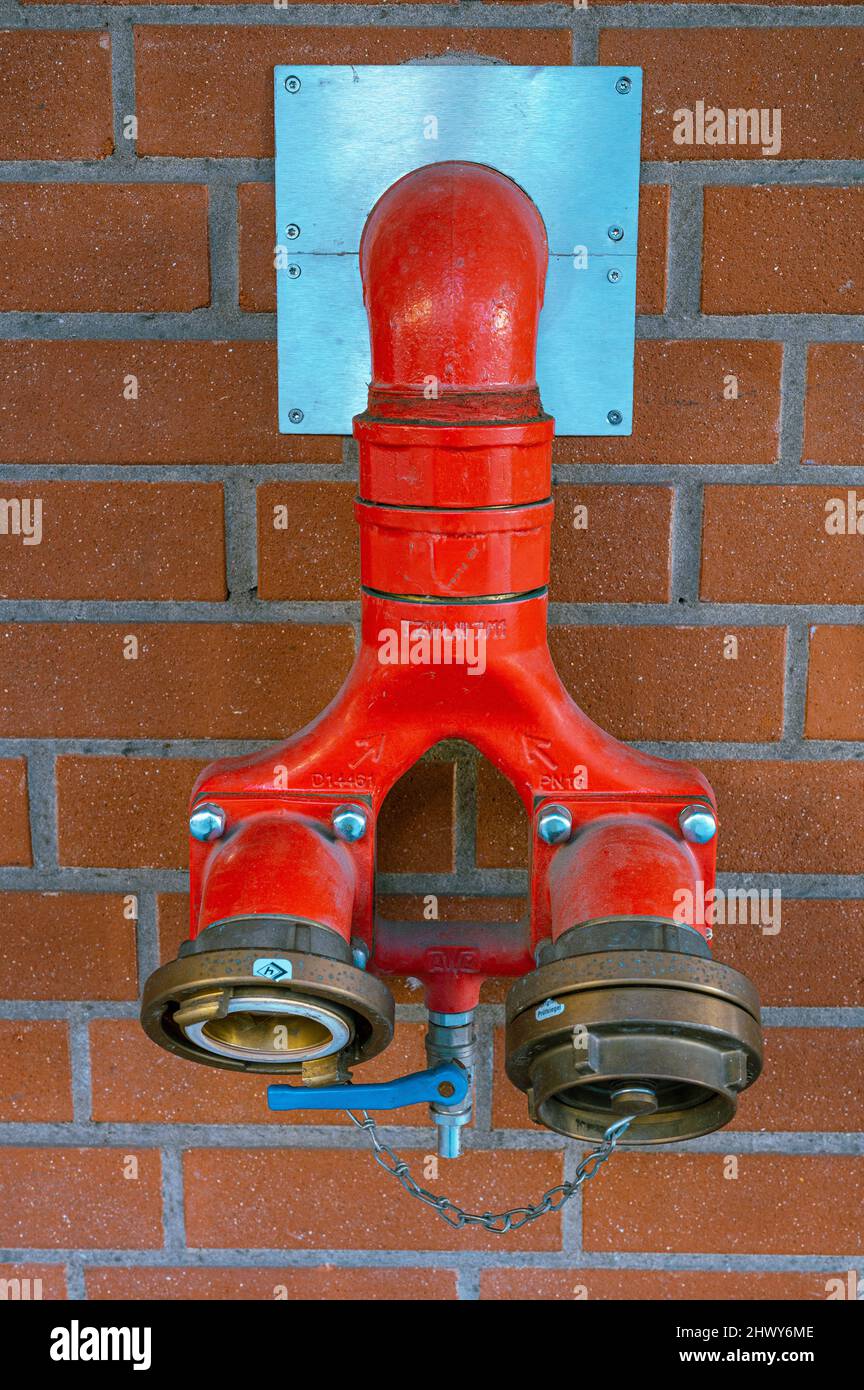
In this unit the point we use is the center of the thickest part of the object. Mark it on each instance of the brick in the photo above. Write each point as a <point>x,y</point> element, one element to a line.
<point>646,1285</point>
<point>618,550</point>
<point>256,223</point>
<point>666,684</point>
<point>835,683</point>
<point>68,946</point>
<point>114,248</point>
<point>653,249</point>
<point>80,1198</point>
<point>15,822</point>
<point>206,90</point>
<point>35,1076</point>
<point>27,1281</point>
<point>416,825</point>
<point>253,680</point>
<point>257,238</point>
<point>294,1285</point>
<point>503,832</point>
<point>791,1095</point>
<point>55,100</point>
<point>113,541</point>
<point>509,1104</point>
<point>779,1204</point>
<point>339,1198</point>
<point>680,415</point>
<point>787,817</point>
<point>308,545</point>
<point>833,415</point>
<point>770,545</point>
<point>125,811</point>
<point>805,964</point>
<point>172,916</point>
<point>811,74</point>
<point>197,402</point>
<point>136,1082</point>
<point>770,250</point>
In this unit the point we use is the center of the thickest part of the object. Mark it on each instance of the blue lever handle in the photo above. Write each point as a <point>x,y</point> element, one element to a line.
<point>447,1083</point>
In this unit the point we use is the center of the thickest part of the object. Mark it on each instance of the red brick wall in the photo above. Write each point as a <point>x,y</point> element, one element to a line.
<point>137,401</point>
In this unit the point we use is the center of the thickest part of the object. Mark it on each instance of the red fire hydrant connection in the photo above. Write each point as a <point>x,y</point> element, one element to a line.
<point>617,1007</point>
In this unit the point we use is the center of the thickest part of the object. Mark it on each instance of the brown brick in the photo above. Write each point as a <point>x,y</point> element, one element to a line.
<point>325,1285</point>
<point>80,1198</point>
<point>509,1104</point>
<point>68,946</point>
<point>250,680</point>
<point>136,1082</point>
<point>792,1094</point>
<point>55,98</point>
<point>15,822</point>
<point>806,963</point>
<point>647,1285</point>
<point>680,414</point>
<point>778,1204</point>
<point>666,684</point>
<point>503,832</point>
<point>417,821</point>
<point>785,817</point>
<point>110,247</point>
<point>771,250</point>
<point>256,230</point>
<point>339,1198</point>
<point>835,683</point>
<point>172,913</point>
<point>653,249</point>
<point>33,1281</point>
<point>619,552</point>
<point>114,541</point>
<point>258,236</point>
<point>834,415</point>
<point>811,74</point>
<point>197,402</point>
<point>205,90</point>
<point>35,1077</point>
<point>308,545</point>
<point>125,811</point>
<point>770,545</point>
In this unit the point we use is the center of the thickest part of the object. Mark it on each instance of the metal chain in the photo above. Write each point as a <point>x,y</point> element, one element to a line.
<point>503,1221</point>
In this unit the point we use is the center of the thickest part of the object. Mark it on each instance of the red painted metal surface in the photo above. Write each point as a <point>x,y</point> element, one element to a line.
<point>455,515</point>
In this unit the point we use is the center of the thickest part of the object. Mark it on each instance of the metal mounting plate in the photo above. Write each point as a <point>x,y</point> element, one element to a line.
<point>568,136</point>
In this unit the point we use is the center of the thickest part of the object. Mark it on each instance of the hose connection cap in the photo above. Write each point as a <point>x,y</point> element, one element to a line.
<point>665,1035</point>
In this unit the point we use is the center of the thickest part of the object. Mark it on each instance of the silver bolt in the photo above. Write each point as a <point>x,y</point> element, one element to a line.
<point>349,822</point>
<point>614,417</point>
<point>207,822</point>
<point>292,231</point>
<point>613,276</point>
<point>293,271</point>
<point>359,953</point>
<point>554,825</point>
<point>698,823</point>
<point>623,85</point>
<point>295,416</point>
<point>292,84</point>
<point>616,233</point>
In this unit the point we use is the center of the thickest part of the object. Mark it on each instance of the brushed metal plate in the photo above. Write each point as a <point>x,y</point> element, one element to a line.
<point>568,136</point>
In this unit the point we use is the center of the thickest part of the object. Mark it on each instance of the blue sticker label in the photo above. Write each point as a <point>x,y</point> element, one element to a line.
<point>549,1009</point>
<point>272,968</point>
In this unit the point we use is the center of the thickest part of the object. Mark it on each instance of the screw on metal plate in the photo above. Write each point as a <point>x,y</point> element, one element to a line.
<point>616,233</point>
<point>623,85</point>
<point>349,822</point>
<point>207,822</point>
<point>359,953</point>
<point>614,417</point>
<point>295,416</point>
<point>613,276</point>
<point>698,824</point>
<point>293,270</point>
<point>292,84</point>
<point>292,231</point>
<point>554,825</point>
